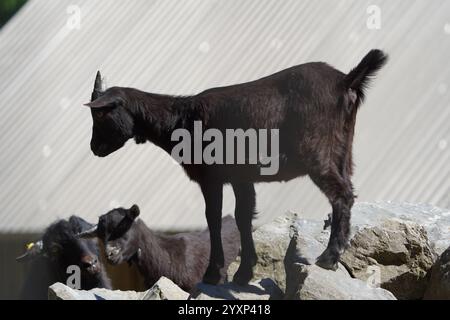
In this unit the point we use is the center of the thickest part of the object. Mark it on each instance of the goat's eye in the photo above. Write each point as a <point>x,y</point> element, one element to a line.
<point>55,250</point>
<point>100,114</point>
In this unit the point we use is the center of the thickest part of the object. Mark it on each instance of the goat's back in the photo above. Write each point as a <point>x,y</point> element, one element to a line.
<point>265,103</point>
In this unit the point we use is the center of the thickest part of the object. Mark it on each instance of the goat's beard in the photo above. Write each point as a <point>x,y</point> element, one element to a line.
<point>140,139</point>
<point>104,150</point>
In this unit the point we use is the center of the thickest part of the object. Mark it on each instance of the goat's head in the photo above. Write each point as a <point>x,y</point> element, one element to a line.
<point>114,229</point>
<point>61,246</point>
<point>113,123</point>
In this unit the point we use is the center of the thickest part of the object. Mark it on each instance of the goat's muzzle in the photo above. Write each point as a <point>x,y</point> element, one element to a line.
<point>90,264</point>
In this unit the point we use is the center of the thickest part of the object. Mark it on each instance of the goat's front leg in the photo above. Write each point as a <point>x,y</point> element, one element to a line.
<point>245,209</point>
<point>339,192</point>
<point>213,194</point>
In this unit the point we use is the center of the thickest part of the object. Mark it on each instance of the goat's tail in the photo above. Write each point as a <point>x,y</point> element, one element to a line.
<point>359,78</point>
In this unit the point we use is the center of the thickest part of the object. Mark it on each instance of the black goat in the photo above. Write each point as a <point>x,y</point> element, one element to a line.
<point>181,257</point>
<point>312,105</point>
<point>58,249</point>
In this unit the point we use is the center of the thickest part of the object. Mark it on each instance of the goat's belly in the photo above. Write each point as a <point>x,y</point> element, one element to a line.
<point>245,173</point>
<point>284,173</point>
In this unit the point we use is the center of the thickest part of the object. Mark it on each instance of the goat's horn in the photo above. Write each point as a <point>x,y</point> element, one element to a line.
<point>90,233</point>
<point>98,86</point>
<point>33,249</point>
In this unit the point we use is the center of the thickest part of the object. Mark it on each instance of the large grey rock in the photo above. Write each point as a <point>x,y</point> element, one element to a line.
<point>59,291</point>
<point>306,281</point>
<point>439,284</point>
<point>271,241</point>
<point>435,221</point>
<point>310,282</point>
<point>397,252</point>
<point>163,289</point>
<point>265,289</point>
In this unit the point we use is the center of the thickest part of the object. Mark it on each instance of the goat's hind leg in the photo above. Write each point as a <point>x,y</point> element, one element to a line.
<point>244,211</point>
<point>339,192</point>
<point>213,194</point>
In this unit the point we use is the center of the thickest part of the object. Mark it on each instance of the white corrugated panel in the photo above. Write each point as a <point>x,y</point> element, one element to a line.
<point>47,68</point>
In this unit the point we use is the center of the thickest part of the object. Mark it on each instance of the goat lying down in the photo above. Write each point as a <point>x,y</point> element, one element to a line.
<point>181,257</point>
<point>58,249</point>
<point>313,106</point>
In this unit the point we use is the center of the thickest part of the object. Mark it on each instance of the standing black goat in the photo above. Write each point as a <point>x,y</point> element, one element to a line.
<point>312,105</point>
<point>181,257</point>
<point>58,249</point>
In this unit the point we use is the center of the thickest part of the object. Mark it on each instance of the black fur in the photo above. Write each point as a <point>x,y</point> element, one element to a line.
<point>62,248</point>
<point>314,107</point>
<point>182,257</point>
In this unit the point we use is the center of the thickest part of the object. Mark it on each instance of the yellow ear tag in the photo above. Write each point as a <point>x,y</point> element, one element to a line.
<point>30,245</point>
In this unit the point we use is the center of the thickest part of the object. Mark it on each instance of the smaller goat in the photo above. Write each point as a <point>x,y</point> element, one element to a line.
<point>181,257</point>
<point>58,249</point>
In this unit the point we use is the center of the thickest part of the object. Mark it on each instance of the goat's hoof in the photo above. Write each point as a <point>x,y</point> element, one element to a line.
<point>243,276</point>
<point>212,276</point>
<point>328,260</point>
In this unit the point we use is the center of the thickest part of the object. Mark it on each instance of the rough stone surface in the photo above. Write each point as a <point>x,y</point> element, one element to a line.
<point>397,253</point>
<point>306,281</point>
<point>271,241</point>
<point>435,221</point>
<point>59,291</point>
<point>439,284</point>
<point>164,289</point>
<point>315,283</point>
<point>265,289</point>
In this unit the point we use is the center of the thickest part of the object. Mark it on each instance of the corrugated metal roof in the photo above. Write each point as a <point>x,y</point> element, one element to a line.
<point>47,70</point>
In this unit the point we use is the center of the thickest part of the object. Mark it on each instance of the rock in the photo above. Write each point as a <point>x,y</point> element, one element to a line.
<point>59,291</point>
<point>271,241</point>
<point>393,245</point>
<point>397,253</point>
<point>315,283</point>
<point>265,289</point>
<point>306,281</point>
<point>439,284</point>
<point>163,289</point>
<point>435,221</point>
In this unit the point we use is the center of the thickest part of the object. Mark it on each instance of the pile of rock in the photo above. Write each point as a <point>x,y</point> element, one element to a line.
<point>397,251</point>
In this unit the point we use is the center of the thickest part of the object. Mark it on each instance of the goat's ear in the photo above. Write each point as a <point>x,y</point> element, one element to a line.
<point>32,251</point>
<point>104,101</point>
<point>133,212</point>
